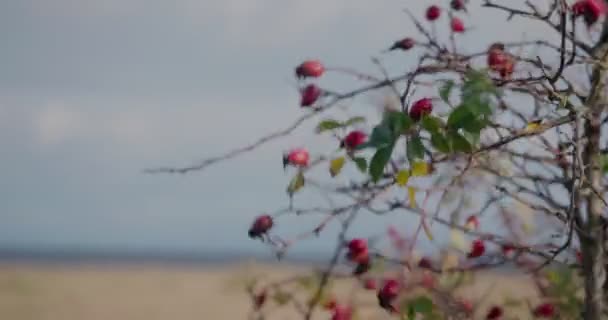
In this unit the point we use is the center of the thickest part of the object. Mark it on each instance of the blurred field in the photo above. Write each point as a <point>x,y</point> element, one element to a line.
<point>117,292</point>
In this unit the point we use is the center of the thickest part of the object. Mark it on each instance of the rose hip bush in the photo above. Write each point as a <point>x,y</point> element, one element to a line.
<point>507,156</point>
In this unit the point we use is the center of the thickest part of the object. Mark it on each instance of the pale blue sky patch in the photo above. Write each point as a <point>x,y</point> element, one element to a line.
<point>94,91</point>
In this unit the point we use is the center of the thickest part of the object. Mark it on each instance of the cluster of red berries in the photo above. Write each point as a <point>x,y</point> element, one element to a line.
<point>358,252</point>
<point>544,310</point>
<point>591,10</point>
<point>434,12</point>
<point>500,61</point>
<point>311,93</point>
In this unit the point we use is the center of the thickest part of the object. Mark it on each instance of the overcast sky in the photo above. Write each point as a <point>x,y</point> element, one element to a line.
<point>94,91</point>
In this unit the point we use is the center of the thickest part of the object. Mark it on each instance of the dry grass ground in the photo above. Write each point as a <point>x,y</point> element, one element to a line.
<point>38,292</point>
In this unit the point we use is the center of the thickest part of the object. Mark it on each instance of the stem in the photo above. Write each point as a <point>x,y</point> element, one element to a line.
<point>592,241</point>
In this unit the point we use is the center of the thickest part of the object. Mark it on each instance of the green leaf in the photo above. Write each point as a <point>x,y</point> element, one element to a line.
<point>361,164</point>
<point>379,161</point>
<point>336,165</point>
<point>431,124</point>
<point>472,137</point>
<point>604,162</point>
<point>378,266</point>
<point>415,148</point>
<point>397,122</point>
<point>281,298</point>
<point>328,124</point>
<point>421,304</point>
<point>381,137</point>
<point>307,282</point>
<point>445,90</point>
<point>475,125</point>
<point>402,177</point>
<point>440,143</point>
<point>459,143</point>
<point>477,83</point>
<point>296,183</point>
<point>459,117</point>
<point>354,120</point>
<point>411,313</point>
<point>478,105</point>
<point>510,302</point>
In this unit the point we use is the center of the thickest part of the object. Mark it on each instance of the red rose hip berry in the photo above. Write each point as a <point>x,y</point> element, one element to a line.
<point>472,223</point>
<point>494,313</point>
<point>478,248</point>
<point>259,300</point>
<point>260,226</point>
<point>341,312</point>
<point>496,59</point>
<point>388,293</point>
<point>330,304</point>
<point>457,25</point>
<point>354,139</point>
<point>545,310</point>
<point>357,245</point>
<point>457,5</point>
<point>591,10</point>
<point>420,108</point>
<point>403,44</point>
<point>369,284</point>
<point>425,263</point>
<point>358,251</point>
<point>508,250</point>
<point>296,157</point>
<point>433,13</point>
<point>309,95</point>
<point>310,69</point>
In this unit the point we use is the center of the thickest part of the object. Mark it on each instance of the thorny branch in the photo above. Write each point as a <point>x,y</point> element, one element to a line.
<point>532,162</point>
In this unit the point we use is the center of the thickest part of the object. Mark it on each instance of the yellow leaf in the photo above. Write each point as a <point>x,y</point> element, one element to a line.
<point>402,177</point>
<point>335,166</point>
<point>457,240</point>
<point>533,125</point>
<point>449,261</point>
<point>296,183</point>
<point>411,192</point>
<point>526,214</point>
<point>427,230</point>
<point>420,169</point>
